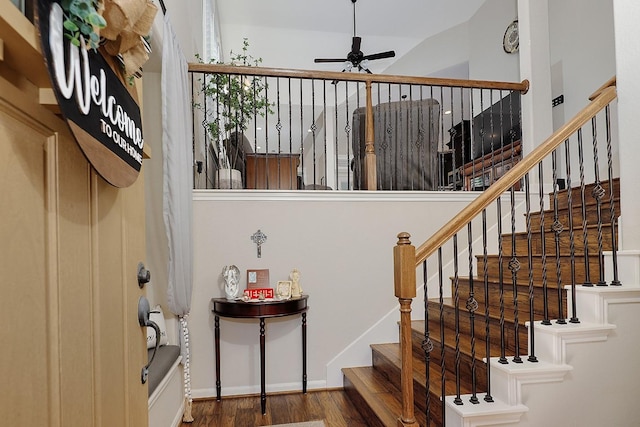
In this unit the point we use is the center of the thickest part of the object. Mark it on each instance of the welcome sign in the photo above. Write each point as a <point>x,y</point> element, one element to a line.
<point>101,113</point>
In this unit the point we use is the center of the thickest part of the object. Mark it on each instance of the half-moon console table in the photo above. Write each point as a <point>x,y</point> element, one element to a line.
<point>239,309</point>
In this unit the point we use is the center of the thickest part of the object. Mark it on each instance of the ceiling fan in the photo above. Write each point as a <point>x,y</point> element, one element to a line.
<point>355,58</point>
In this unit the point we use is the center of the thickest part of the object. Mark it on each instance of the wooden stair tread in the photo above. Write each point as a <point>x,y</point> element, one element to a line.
<point>521,282</point>
<point>576,203</point>
<point>378,393</point>
<point>508,314</point>
<point>391,351</point>
<point>536,256</point>
<point>577,229</point>
<point>465,343</point>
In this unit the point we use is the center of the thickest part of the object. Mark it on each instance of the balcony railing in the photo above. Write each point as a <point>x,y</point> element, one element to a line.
<point>276,129</point>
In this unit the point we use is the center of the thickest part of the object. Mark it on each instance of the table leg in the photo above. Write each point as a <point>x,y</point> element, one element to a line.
<point>304,352</point>
<point>263,393</point>
<point>217,344</point>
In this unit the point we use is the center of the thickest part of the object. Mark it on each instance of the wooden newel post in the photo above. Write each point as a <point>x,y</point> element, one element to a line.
<point>404,264</point>
<point>369,144</point>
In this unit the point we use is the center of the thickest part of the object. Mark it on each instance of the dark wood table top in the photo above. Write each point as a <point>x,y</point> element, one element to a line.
<point>257,309</point>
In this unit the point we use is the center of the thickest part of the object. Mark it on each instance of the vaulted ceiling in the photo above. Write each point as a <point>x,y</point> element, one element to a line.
<point>300,30</point>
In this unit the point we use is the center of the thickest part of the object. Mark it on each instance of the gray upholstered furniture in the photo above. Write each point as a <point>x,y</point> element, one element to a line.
<point>166,356</point>
<point>406,145</point>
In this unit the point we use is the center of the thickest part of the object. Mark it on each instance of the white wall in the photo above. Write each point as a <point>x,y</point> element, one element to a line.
<point>581,36</point>
<point>627,16</point>
<point>341,243</point>
<point>451,47</point>
<point>287,48</point>
<point>487,58</point>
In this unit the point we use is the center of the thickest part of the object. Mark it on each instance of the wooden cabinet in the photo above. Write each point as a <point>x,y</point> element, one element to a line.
<point>272,171</point>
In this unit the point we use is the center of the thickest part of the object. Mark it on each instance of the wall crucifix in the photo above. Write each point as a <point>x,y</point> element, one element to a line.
<point>259,238</point>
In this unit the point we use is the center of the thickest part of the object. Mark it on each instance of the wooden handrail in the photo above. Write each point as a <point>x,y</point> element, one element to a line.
<point>523,86</point>
<point>445,233</point>
<point>611,82</point>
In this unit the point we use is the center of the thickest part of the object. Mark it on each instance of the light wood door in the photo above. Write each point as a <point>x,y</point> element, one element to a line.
<point>72,349</point>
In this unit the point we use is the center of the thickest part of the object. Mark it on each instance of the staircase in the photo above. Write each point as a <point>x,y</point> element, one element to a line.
<point>375,389</point>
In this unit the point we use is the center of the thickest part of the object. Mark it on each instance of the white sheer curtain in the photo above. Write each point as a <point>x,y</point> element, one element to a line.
<point>177,189</point>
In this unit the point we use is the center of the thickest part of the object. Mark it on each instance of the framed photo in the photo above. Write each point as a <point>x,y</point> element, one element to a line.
<point>258,278</point>
<point>283,289</point>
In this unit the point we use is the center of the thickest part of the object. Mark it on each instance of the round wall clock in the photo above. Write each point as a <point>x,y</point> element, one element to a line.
<point>510,41</point>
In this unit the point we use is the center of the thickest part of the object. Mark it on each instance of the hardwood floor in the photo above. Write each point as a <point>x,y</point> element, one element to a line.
<point>334,407</point>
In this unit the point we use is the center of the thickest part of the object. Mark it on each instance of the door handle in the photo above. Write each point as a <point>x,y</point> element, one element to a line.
<point>144,311</point>
<point>144,275</point>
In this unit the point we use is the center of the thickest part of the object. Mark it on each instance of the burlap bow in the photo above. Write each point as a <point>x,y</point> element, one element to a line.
<point>128,21</point>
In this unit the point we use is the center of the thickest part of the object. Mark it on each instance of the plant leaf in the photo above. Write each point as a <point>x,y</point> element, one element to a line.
<point>70,26</point>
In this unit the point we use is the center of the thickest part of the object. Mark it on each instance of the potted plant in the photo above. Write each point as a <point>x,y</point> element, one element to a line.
<point>232,102</point>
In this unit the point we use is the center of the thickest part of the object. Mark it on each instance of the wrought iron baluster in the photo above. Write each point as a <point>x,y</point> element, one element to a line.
<point>254,85</point>
<point>543,249</point>
<point>463,136</point>
<point>514,267</point>
<point>503,357</point>
<point>302,133</point>
<point>598,194</point>
<point>443,367</point>
<point>193,135</point>
<point>482,133</point>
<point>532,353</point>
<point>278,127</point>
<point>290,115</point>
<point>430,135</point>
<point>336,139</point>
<point>324,133</point>
<point>347,130</point>
<point>410,141</point>
<point>456,308</point>
<point>612,208</point>
<point>427,344</point>
<point>472,306</point>
<point>492,130</point>
<point>557,229</point>
<point>485,279</point>
<point>572,247</point>
<point>313,129</point>
<point>583,211</point>
<point>454,162</point>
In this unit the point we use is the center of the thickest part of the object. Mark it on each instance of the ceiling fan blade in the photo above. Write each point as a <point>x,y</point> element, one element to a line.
<point>355,44</point>
<point>381,55</point>
<point>318,60</point>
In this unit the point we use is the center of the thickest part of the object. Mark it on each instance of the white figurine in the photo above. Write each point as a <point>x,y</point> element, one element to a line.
<point>296,290</point>
<point>231,275</point>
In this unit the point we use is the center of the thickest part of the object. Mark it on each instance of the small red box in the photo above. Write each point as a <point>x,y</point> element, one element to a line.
<point>255,293</point>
